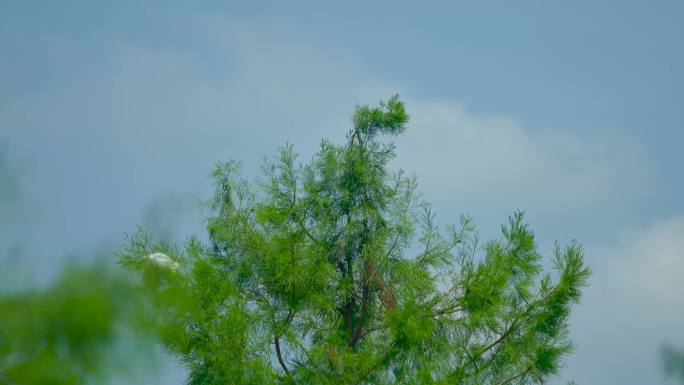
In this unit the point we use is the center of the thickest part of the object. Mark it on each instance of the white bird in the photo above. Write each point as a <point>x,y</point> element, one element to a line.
<point>163,260</point>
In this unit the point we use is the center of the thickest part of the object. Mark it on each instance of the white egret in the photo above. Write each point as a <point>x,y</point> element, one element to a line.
<point>163,260</point>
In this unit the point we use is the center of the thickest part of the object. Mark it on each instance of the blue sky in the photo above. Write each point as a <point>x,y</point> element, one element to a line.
<point>112,115</point>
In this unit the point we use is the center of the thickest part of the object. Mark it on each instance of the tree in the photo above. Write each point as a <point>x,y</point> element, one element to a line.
<point>674,362</point>
<point>71,332</point>
<point>310,277</point>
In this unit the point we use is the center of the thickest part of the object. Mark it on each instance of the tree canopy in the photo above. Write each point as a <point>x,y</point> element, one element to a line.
<point>334,271</point>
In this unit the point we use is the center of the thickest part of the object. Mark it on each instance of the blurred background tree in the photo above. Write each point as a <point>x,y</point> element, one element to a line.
<point>674,362</point>
<point>71,332</point>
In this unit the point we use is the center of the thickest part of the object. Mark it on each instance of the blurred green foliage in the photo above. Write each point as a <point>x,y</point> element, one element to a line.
<point>674,362</point>
<point>66,333</point>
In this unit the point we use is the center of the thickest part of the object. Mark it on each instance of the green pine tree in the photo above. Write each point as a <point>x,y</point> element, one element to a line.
<point>310,278</point>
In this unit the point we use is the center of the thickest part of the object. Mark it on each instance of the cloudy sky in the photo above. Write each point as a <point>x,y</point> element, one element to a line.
<point>112,116</point>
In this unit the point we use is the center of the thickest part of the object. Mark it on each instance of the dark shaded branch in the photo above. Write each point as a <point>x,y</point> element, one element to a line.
<point>280,357</point>
<point>446,310</point>
<point>386,294</point>
<point>365,303</point>
<point>518,375</point>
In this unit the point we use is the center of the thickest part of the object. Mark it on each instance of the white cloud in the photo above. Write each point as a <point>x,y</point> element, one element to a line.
<point>633,306</point>
<point>495,161</point>
<point>651,260</point>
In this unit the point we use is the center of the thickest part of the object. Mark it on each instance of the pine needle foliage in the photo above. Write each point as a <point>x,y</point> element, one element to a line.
<point>311,276</point>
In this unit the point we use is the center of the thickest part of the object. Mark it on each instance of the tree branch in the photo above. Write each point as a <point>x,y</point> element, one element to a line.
<point>280,356</point>
<point>365,302</point>
<point>518,375</point>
